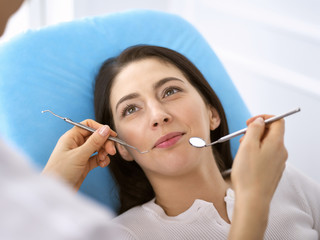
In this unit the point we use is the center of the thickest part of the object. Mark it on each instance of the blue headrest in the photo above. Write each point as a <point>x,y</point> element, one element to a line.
<point>55,67</point>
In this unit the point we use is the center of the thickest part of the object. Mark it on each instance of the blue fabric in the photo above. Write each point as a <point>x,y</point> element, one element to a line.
<point>54,68</point>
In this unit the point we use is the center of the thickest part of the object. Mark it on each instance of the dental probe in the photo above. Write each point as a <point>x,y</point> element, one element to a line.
<point>115,139</point>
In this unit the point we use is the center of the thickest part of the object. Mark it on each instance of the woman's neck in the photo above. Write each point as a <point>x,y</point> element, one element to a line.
<point>176,194</point>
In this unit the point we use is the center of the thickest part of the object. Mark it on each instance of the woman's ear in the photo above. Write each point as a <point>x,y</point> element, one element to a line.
<point>214,118</point>
<point>125,154</point>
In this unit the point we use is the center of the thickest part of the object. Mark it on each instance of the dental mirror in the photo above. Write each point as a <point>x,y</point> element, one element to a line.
<point>200,143</point>
<point>197,142</point>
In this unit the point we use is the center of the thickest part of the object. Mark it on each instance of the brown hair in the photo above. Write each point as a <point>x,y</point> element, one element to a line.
<point>133,186</point>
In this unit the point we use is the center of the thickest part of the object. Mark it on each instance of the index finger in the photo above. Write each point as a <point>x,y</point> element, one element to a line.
<point>264,116</point>
<point>275,131</point>
<point>255,131</point>
<point>93,125</point>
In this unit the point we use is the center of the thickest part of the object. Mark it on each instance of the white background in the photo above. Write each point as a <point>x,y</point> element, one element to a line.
<point>270,48</point>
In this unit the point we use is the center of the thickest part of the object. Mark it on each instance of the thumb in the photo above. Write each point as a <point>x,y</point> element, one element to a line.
<point>95,141</point>
<point>255,130</point>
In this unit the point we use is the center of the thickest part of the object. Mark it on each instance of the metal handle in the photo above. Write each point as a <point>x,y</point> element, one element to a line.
<point>267,121</point>
<point>115,139</point>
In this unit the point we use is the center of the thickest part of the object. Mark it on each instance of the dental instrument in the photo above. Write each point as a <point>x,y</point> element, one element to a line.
<point>200,143</point>
<point>115,139</point>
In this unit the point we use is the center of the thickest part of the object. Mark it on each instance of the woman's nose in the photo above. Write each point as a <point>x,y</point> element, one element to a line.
<point>159,115</point>
<point>160,121</point>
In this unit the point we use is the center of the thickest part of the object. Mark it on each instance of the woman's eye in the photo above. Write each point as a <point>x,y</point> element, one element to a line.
<point>129,110</point>
<point>170,91</point>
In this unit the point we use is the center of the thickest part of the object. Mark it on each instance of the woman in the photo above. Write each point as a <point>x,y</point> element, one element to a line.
<point>155,99</point>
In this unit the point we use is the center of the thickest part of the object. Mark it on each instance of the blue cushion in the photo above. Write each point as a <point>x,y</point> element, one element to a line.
<point>54,68</point>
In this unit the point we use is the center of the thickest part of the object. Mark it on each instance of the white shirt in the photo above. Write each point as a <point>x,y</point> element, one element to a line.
<point>294,214</point>
<point>35,207</point>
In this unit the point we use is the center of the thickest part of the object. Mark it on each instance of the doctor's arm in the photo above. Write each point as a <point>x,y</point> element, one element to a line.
<point>257,170</point>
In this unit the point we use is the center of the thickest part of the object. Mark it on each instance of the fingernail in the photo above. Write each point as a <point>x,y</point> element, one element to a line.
<point>114,149</point>
<point>102,157</point>
<point>104,131</point>
<point>103,164</point>
<point>259,120</point>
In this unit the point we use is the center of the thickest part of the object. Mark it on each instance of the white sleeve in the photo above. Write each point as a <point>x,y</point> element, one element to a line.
<point>33,206</point>
<point>310,191</point>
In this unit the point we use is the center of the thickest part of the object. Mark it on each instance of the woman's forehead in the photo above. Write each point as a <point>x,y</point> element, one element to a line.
<point>144,71</point>
<point>141,76</point>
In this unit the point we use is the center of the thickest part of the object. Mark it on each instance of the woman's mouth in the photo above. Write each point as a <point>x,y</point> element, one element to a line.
<point>168,140</point>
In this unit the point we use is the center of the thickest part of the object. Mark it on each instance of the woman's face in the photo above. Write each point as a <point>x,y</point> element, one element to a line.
<point>155,107</point>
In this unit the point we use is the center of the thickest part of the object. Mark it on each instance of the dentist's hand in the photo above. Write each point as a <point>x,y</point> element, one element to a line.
<point>72,157</point>
<point>260,161</point>
<point>256,172</point>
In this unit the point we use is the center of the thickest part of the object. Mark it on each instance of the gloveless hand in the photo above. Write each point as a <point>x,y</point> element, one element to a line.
<point>260,161</point>
<point>72,159</point>
<point>256,172</point>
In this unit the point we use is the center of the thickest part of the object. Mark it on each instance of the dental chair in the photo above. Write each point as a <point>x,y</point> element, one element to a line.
<point>55,67</point>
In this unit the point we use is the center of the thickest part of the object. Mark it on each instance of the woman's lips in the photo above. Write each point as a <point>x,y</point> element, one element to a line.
<point>168,140</point>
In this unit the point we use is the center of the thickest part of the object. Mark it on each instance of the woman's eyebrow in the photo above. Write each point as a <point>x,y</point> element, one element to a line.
<point>165,80</point>
<point>127,97</point>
